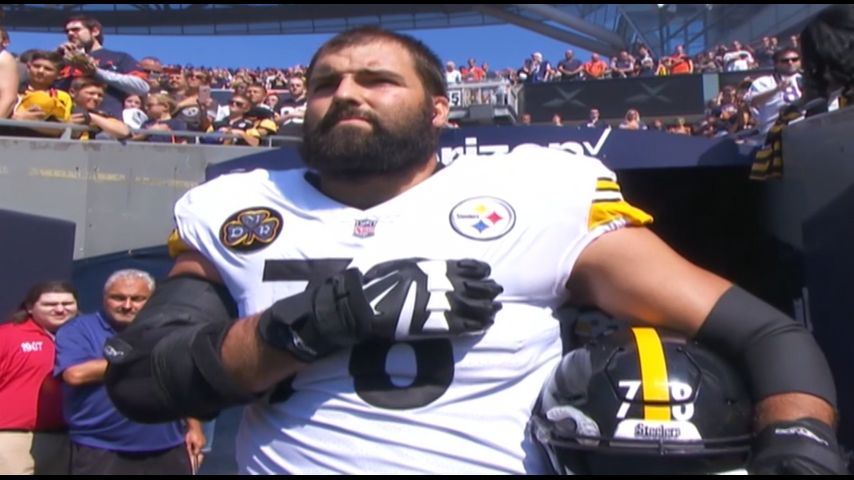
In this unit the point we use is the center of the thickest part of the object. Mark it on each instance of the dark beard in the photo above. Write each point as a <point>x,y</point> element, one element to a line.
<point>352,152</point>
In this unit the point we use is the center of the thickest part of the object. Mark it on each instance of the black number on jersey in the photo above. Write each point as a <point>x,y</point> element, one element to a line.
<point>434,358</point>
<point>434,364</point>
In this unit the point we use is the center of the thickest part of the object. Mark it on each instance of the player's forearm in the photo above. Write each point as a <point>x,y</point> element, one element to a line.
<point>250,362</point>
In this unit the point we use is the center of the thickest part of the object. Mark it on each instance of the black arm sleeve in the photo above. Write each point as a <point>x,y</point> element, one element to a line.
<point>166,365</point>
<point>777,354</point>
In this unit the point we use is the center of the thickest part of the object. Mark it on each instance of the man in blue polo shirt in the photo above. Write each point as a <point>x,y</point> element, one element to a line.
<point>103,440</point>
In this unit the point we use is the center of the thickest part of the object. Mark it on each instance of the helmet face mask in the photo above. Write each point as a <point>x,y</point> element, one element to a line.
<point>643,401</point>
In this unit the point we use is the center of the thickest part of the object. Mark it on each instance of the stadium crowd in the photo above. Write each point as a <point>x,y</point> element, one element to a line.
<point>116,96</point>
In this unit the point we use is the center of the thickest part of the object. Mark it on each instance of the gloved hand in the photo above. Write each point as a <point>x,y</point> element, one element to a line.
<point>802,447</point>
<point>406,299</point>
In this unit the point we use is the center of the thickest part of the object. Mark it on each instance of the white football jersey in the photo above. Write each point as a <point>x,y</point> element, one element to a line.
<point>455,405</point>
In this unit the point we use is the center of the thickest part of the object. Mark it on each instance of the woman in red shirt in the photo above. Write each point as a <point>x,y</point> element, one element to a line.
<point>32,430</point>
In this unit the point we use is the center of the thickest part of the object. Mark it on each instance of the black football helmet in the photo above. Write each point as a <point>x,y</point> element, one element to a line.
<point>643,401</point>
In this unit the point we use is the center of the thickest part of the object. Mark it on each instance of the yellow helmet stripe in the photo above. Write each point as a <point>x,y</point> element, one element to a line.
<point>653,368</point>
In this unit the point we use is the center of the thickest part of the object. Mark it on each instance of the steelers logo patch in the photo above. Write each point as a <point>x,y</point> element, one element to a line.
<point>483,218</point>
<point>251,229</point>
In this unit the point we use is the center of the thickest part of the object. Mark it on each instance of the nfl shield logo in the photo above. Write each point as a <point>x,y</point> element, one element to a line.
<point>365,228</point>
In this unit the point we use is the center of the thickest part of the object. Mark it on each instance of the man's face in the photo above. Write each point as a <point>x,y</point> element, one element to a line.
<point>124,298</point>
<point>89,97</point>
<point>788,63</point>
<point>296,87</point>
<point>153,70</point>
<point>81,36</point>
<point>594,114</point>
<point>51,310</point>
<point>256,94</point>
<point>368,113</point>
<point>42,73</point>
<point>177,81</point>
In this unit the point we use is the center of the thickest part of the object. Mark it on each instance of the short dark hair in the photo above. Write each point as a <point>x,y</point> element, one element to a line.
<point>90,23</point>
<point>427,65</point>
<point>35,292</point>
<point>51,56</point>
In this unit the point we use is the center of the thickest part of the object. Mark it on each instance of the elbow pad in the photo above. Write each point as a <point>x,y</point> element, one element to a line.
<point>777,354</point>
<point>166,365</point>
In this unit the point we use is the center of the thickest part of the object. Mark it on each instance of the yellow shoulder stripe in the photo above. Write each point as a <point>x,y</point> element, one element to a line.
<point>604,212</point>
<point>176,245</point>
<point>604,185</point>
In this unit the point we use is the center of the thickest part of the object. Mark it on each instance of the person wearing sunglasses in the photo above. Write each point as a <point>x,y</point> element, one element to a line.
<point>769,93</point>
<point>195,106</point>
<point>236,123</point>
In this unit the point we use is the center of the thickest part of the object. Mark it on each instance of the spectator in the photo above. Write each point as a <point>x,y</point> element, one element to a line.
<point>738,59</point>
<point>153,70</point>
<point>681,127</point>
<point>526,119</point>
<point>33,437</point>
<point>525,73</point>
<point>196,108</point>
<point>658,125</point>
<point>159,107</point>
<point>86,56</point>
<point>595,121</point>
<point>133,114</point>
<point>769,93</point>
<point>88,95</point>
<point>41,102</point>
<point>765,55</point>
<point>272,101</point>
<point>237,123</point>
<point>176,82</point>
<point>293,107</point>
<point>8,78</point>
<point>595,68</point>
<point>795,42</point>
<point>541,70</point>
<point>256,93</point>
<point>452,75</point>
<point>557,121</point>
<point>632,121</point>
<point>103,441</point>
<point>623,65</point>
<point>680,62</point>
<point>570,68</point>
<point>472,73</point>
<point>706,63</point>
<point>488,74</point>
<point>646,63</point>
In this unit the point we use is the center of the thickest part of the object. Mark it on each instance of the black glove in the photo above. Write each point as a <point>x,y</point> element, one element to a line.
<point>406,299</point>
<point>802,447</point>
